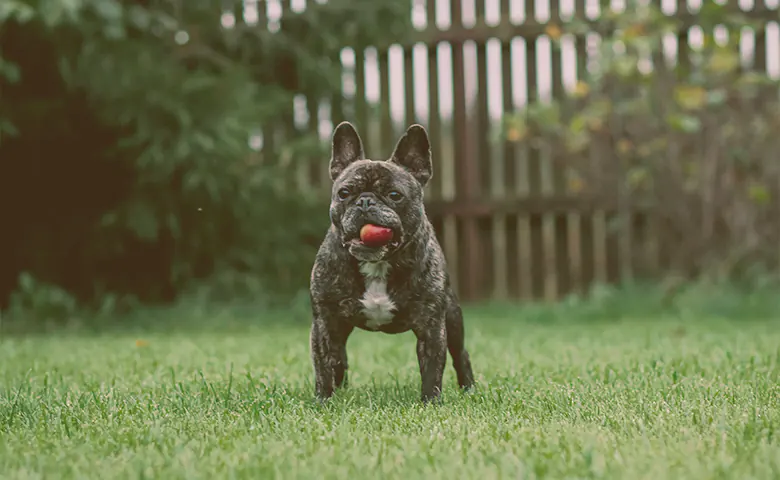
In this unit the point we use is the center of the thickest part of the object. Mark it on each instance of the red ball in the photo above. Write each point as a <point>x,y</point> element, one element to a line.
<point>375,236</point>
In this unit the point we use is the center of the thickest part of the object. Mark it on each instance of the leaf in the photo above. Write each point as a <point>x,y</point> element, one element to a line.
<point>19,11</point>
<point>759,194</point>
<point>625,65</point>
<point>140,217</point>
<point>575,183</point>
<point>578,124</point>
<point>109,10</point>
<point>140,17</point>
<point>690,97</point>
<point>515,134</point>
<point>637,30</point>
<point>600,109</point>
<point>637,177</point>
<point>60,12</point>
<point>10,71</point>
<point>545,115</point>
<point>757,78</point>
<point>8,128</point>
<point>26,282</point>
<point>691,170</point>
<point>684,123</point>
<point>581,89</point>
<point>596,124</point>
<point>723,60</point>
<point>553,31</point>
<point>515,128</point>
<point>114,31</point>
<point>624,146</point>
<point>109,219</point>
<point>712,11</point>
<point>717,97</point>
<point>577,141</point>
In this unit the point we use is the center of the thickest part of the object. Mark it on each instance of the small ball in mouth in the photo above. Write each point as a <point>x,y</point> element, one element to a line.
<point>375,235</point>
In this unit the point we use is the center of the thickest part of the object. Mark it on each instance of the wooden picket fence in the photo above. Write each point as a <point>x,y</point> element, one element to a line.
<point>510,224</point>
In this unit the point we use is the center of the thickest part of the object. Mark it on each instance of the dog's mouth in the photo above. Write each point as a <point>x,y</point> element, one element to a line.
<point>355,240</point>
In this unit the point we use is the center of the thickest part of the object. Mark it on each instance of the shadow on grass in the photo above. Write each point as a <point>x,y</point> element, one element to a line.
<point>29,403</point>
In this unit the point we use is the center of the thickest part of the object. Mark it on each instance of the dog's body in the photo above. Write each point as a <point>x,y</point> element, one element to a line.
<point>393,288</point>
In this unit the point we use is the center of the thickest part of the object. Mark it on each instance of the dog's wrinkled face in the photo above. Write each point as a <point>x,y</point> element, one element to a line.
<point>385,193</point>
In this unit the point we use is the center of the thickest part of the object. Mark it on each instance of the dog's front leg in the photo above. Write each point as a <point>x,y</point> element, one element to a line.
<point>431,355</point>
<point>329,356</point>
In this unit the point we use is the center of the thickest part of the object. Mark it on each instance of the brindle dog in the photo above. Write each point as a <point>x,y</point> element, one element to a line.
<point>394,288</point>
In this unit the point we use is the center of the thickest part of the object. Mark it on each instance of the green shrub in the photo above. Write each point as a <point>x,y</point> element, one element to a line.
<point>694,140</point>
<point>125,159</point>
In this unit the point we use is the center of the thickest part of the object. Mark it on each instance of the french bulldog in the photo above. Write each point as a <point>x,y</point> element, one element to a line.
<point>394,287</point>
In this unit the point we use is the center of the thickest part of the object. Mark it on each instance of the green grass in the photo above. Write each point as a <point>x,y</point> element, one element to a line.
<point>655,397</point>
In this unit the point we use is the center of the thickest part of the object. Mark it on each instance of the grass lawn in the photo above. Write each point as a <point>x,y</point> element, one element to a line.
<point>657,397</point>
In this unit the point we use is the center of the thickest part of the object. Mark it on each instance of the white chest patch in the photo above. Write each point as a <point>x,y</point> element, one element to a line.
<point>377,304</point>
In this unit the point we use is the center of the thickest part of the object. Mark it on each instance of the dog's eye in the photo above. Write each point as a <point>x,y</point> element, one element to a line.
<point>343,193</point>
<point>394,196</point>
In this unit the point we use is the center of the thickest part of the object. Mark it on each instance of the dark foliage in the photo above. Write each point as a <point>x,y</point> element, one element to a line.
<point>126,170</point>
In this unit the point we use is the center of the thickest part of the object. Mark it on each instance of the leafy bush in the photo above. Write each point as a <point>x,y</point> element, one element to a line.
<point>44,303</point>
<point>125,157</point>
<point>694,139</point>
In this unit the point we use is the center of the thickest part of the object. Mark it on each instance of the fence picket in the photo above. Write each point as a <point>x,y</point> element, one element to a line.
<point>511,219</point>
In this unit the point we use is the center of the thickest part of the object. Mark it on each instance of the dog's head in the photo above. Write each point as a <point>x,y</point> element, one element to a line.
<point>387,193</point>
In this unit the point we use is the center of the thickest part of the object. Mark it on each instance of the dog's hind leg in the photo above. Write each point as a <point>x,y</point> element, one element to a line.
<point>457,348</point>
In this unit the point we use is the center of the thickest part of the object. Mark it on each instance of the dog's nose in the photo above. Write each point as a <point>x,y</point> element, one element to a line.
<point>365,201</point>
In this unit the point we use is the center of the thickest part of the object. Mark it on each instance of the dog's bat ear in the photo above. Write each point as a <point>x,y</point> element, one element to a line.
<point>413,152</point>
<point>346,148</point>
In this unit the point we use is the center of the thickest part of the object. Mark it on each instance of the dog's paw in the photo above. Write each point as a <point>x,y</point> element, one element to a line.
<point>322,399</point>
<point>469,388</point>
